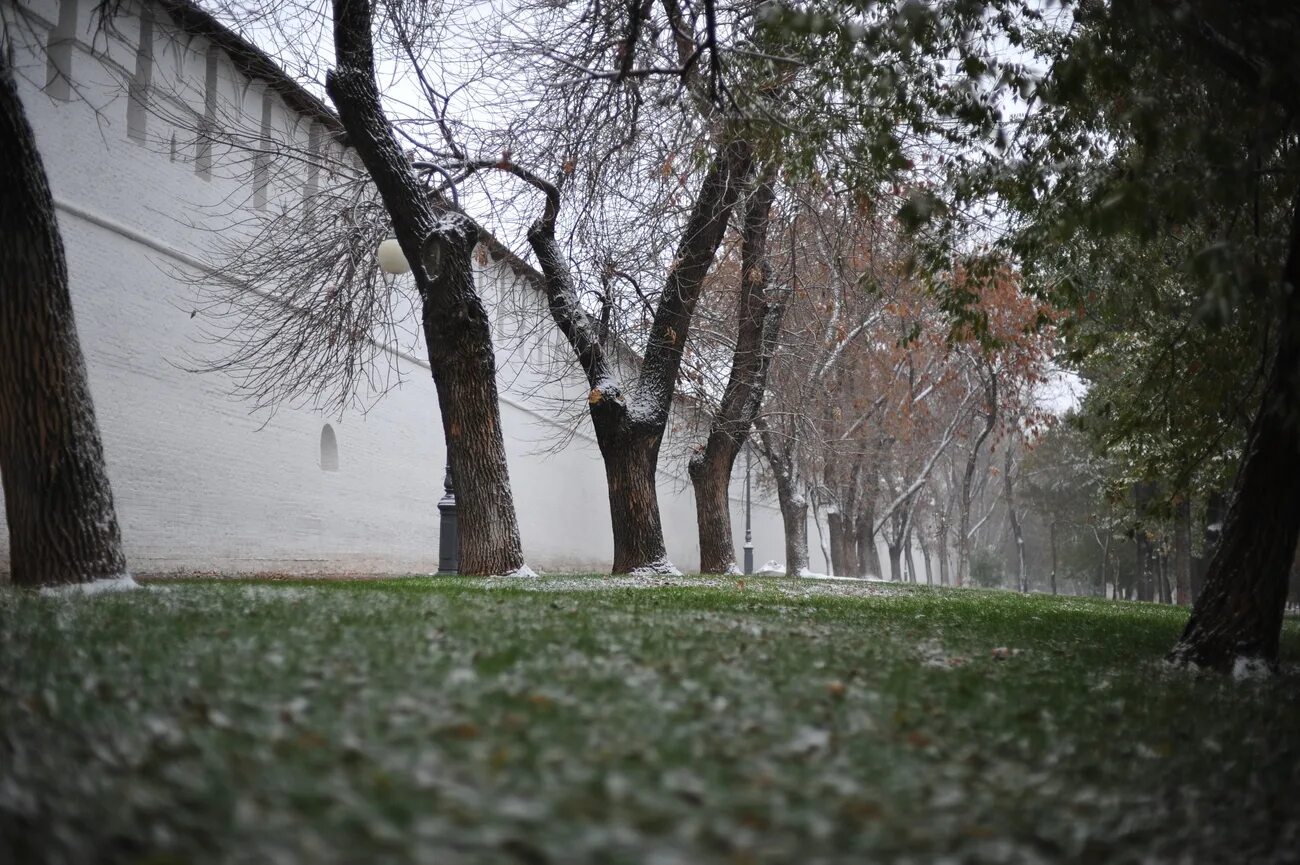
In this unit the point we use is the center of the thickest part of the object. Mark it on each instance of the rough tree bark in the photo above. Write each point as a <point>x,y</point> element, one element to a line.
<point>62,524</point>
<point>759,312</point>
<point>438,241</point>
<point>1238,617</point>
<point>629,417</point>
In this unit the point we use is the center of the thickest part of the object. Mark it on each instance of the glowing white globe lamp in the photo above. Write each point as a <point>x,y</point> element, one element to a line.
<point>391,258</point>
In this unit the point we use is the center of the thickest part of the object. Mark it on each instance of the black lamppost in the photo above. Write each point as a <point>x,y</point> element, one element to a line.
<point>448,530</point>
<point>749,534</point>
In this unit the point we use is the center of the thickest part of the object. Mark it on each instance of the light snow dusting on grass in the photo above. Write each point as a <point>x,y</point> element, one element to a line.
<point>660,718</point>
<point>120,583</point>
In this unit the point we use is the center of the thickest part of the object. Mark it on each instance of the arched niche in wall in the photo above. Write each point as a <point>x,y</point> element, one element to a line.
<point>329,449</point>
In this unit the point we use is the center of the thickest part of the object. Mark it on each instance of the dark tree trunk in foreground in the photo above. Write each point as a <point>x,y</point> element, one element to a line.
<point>62,524</point>
<point>758,324</point>
<point>1238,616</point>
<point>629,419</point>
<point>438,242</point>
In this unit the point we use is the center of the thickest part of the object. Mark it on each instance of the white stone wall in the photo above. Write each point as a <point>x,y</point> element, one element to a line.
<point>200,483</point>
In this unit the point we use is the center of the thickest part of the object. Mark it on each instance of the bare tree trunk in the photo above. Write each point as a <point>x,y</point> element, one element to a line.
<point>794,507</point>
<point>1238,616</point>
<point>794,518</point>
<point>835,528</point>
<point>630,457</point>
<point>1022,576</point>
<point>62,524</point>
<point>895,562</point>
<point>759,321</point>
<point>925,558</point>
<point>635,416</point>
<point>868,553</point>
<point>438,242</point>
<point>968,480</point>
<point>1183,551</point>
<point>1052,531</point>
<point>911,560</point>
<point>942,538</point>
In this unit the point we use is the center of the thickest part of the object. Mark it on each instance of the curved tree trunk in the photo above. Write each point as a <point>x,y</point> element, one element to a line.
<point>758,324</point>
<point>1238,615</point>
<point>62,524</point>
<point>438,241</point>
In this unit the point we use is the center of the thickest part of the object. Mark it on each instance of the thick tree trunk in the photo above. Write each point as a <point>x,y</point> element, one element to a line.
<point>711,480</point>
<point>438,242</point>
<point>62,524</point>
<point>631,455</point>
<point>794,516</point>
<point>758,325</point>
<point>895,562</point>
<point>868,553</point>
<point>1238,617</point>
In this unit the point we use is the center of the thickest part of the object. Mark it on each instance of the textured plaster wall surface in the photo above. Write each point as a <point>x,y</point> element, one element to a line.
<point>200,482</point>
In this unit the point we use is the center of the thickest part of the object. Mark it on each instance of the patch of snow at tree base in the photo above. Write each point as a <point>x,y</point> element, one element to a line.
<point>1246,669</point>
<point>657,568</point>
<point>120,583</point>
<point>523,572</point>
<point>774,568</point>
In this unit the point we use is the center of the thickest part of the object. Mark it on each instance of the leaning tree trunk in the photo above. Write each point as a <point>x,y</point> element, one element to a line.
<point>758,324</point>
<point>438,242</point>
<point>1238,615</point>
<point>62,523</point>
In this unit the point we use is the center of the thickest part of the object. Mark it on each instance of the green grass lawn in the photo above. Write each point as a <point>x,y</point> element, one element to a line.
<point>452,720</point>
